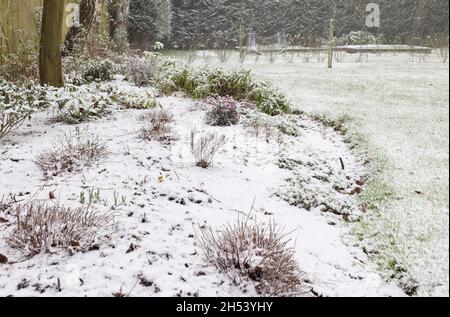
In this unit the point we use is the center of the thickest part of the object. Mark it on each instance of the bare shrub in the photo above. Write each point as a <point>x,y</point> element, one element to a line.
<point>157,126</point>
<point>224,55</point>
<point>443,53</point>
<point>207,56</point>
<point>255,252</point>
<point>289,57</point>
<point>440,43</point>
<point>16,70</point>
<point>161,132</point>
<point>205,147</point>
<point>158,115</point>
<point>140,70</point>
<point>272,56</point>
<point>320,56</point>
<point>71,153</point>
<point>306,56</point>
<point>339,56</point>
<point>46,226</point>
<point>191,56</point>
<point>362,57</point>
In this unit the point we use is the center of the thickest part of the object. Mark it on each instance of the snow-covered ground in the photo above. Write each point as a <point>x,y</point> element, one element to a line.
<point>400,104</point>
<point>153,250</point>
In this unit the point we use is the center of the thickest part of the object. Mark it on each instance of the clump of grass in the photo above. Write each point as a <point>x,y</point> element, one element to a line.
<point>71,153</point>
<point>48,226</point>
<point>205,147</point>
<point>338,124</point>
<point>255,252</point>
<point>157,126</point>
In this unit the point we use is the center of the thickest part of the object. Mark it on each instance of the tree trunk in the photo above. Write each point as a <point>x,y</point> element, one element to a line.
<point>241,43</point>
<point>50,69</point>
<point>84,34</point>
<point>120,24</point>
<point>331,33</point>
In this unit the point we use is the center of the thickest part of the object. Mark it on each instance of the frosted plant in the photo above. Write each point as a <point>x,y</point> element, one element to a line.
<point>205,147</point>
<point>17,103</point>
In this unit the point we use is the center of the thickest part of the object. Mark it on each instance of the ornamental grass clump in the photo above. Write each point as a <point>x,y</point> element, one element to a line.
<point>256,252</point>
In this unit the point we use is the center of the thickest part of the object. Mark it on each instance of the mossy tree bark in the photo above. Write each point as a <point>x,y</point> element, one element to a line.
<point>119,25</point>
<point>50,68</point>
<point>84,34</point>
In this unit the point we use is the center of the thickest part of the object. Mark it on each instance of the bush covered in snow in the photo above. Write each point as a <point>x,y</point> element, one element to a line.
<point>254,252</point>
<point>135,101</point>
<point>224,111</point>
<point>74,104</point>
<point>17,103</point>
<point>261,123</point>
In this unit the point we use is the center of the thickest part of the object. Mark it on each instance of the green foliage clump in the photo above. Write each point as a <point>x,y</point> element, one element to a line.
<point>17,103</point>
<point>75,105</point>
<point>98,70</point>
<point>268,99</point>
<point>239,85</point>
<point>89,70</point>
<point>261,122</point>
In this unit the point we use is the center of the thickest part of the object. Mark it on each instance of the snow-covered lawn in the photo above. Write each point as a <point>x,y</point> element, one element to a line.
<point>161,198</point>
<point>400,105</point>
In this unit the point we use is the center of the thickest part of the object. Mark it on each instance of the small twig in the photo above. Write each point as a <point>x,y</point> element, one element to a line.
<point>129,293</point>
<point>342,163</point>
<point>174,169</point>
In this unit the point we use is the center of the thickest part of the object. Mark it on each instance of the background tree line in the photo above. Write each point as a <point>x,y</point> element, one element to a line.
<point>204,23</point>
<point>123,24</point>
<point>223,23</point>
